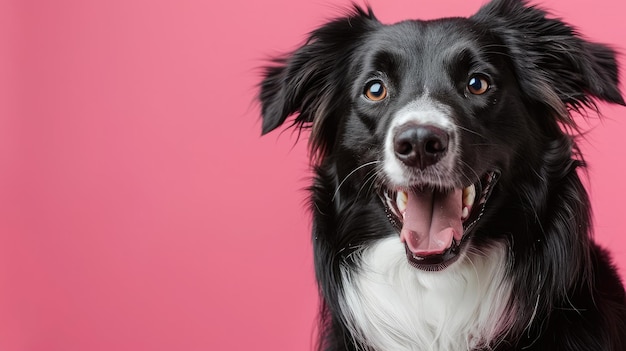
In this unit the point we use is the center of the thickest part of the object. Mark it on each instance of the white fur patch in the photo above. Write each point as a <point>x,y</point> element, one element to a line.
<point>391,306</point>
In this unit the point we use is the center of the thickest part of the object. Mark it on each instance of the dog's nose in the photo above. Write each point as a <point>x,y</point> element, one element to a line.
<point>420,145</point>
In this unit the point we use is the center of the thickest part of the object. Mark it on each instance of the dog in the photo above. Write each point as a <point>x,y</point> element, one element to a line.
<point>448,212</point>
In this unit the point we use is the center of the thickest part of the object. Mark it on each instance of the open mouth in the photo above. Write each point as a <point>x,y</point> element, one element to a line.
<point>434,223</point>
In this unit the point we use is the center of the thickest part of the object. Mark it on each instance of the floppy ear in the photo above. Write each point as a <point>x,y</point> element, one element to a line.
<point>552,59</point>
<point>312,80</point>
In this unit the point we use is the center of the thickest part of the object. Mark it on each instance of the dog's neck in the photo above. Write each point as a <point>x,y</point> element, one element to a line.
<point>390,305</point>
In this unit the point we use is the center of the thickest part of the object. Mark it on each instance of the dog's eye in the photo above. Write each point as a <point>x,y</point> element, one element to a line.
<point>478,84</point>
<point>375,90</point>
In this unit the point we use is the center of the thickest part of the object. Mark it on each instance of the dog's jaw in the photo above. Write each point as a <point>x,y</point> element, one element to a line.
<point>430,206</point>
<point>433,248</point>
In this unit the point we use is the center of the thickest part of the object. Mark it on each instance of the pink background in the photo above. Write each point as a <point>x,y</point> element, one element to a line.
<point>139,207</point>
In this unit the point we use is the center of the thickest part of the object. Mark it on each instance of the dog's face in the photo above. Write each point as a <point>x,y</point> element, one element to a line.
<point>434,113</point>
<point>430,96</point>
<point>435,106</point>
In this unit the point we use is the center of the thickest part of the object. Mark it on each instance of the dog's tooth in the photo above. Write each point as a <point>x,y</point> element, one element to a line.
<point>469,195</point>
<point>465,213</point>
<point>401,200</point>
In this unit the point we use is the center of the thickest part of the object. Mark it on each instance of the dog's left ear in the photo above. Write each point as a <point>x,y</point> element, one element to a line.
<point>551,59</point>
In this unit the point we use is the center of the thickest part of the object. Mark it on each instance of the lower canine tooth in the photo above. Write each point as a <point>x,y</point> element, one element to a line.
<point>465,213</point>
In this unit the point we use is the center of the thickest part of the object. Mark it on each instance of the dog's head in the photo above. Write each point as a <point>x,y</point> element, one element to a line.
<point>440,109</point>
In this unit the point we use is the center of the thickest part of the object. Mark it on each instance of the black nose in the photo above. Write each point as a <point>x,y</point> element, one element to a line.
<point>420,146</point>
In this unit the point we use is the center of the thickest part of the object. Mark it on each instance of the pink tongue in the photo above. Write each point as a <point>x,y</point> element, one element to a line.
<point>431,221</point>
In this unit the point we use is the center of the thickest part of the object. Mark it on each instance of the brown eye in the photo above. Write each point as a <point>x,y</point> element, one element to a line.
<point>375,91</point>
<point>478,85</point>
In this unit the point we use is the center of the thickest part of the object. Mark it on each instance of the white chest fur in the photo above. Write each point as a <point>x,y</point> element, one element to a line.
<point>390,305</point>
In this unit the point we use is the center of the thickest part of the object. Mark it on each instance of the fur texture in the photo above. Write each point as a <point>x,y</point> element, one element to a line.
<point>486,103</point>
<point>389,305</point>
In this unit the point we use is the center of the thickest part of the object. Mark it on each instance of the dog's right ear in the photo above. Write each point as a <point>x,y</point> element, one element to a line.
<point>312,80</point>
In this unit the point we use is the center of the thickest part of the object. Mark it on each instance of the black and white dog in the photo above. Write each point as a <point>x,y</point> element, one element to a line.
<point>448,209</point>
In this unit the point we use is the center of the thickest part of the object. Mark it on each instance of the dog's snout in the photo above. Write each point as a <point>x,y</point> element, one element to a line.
<point>420,145</point>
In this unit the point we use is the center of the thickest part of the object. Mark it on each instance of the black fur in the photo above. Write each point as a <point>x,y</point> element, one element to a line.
<point>542,69</point>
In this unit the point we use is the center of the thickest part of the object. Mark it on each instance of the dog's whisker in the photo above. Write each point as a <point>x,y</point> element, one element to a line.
<point>370,176</point>
<point>470,131</point>
<point>468,166</point>
<point>350,174</point>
